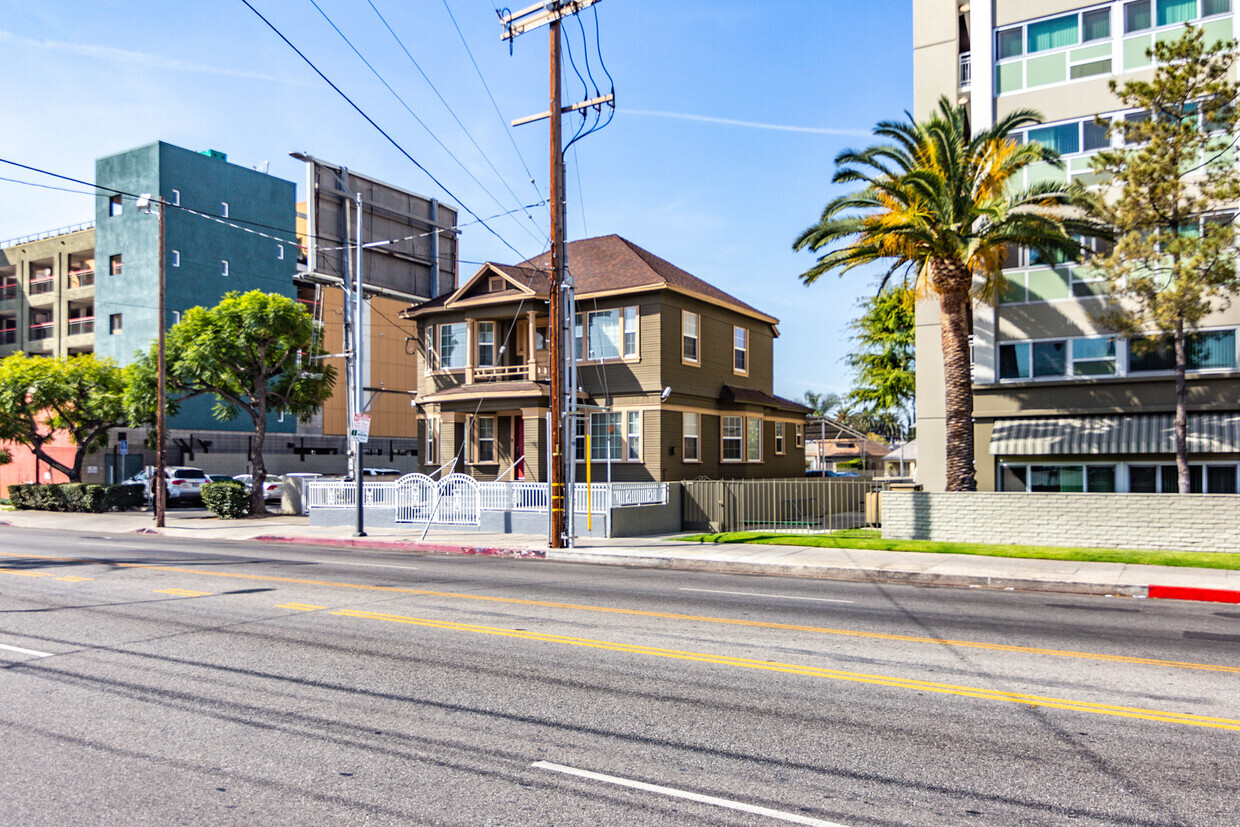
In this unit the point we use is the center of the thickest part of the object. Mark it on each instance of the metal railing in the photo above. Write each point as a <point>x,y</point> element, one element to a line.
<point>81,325</point>
<point>42,331</point>
<point>966,70</point>
<point>72,228</point>
<point>493,496</point>
<point>8,336</point>
<point>795,506</point>
<point>79,278</point>
<point>8,292</point>
<point>43,284</point>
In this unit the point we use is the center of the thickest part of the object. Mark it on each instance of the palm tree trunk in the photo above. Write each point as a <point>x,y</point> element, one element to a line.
<point>1181,408</point>
<point>954,309</point>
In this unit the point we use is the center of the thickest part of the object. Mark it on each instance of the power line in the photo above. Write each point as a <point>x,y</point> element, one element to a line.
<point>464,129</point>
<point>379,129</point>
<point>421,123</point>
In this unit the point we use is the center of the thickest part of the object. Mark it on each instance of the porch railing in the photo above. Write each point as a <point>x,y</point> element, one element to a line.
<point>81,324</point>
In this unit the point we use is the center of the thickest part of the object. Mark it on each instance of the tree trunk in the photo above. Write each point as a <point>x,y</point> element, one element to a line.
<point>1181,408</point>
<point>73,472</point>
<point>258,500</point>
<point>952,282</point>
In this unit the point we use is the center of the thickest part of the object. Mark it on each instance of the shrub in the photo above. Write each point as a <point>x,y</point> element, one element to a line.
<point>76,497</point>
<point>226,500</point>
<point>85,497</point>
<point>38,497</point>
<point>124,497</point>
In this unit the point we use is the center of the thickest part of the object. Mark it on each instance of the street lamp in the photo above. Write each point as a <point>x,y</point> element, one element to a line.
<point>159,493</point>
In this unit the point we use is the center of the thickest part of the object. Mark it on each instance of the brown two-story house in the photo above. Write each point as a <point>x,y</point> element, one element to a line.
<point>643,325</point>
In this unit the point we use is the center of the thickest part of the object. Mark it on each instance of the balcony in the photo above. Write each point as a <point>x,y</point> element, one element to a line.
<point>41,331</point>
<point>81,325</point>
<point>79,278</point>
<point>966,70</point>
<point>8,291</point>
<point>509,373</point>
<point>8,336</point>
<point>42,285</point>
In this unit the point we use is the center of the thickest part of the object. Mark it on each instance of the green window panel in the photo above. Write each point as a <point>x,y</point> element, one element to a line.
<point>1135,49</point>
<point>1176,11</point>
<point>1054,34</point>
<point>1013,289</point>
<point>1048,69</point>
<point>1089,179</point>
<point>1046,284</point>
<point>1216,30</point>
<point>1010,77</point>
<point>1089,52</point>
<point>1224,159</point>
<point>1079,165</point>
<point>1089,70</point>
<point>1170,35</point>
<point>1037,173</point>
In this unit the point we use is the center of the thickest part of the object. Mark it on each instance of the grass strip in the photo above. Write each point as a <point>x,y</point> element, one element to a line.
<point>1186,559</point>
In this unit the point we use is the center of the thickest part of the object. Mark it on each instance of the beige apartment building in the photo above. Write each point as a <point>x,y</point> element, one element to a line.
<point>1060,402</point>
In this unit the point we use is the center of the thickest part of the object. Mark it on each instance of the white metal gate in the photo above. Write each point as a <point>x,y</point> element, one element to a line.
<point>454,500</point>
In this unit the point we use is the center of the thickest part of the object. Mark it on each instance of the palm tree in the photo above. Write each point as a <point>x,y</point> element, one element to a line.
<point>945,205</point>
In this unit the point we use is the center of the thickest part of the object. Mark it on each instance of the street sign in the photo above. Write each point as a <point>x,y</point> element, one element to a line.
<point>360,432</point>
<point>122,447</point>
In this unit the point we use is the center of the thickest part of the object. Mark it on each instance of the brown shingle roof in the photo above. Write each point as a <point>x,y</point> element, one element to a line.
<point>752,396</point>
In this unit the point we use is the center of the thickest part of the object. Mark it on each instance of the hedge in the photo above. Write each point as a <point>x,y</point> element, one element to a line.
<point>76,497</point>
<point>226,500</point>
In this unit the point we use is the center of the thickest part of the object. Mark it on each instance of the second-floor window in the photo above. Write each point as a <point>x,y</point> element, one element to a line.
<point>689,335</point>
<point>432,440</point>
<point>732,435</point>
<point>753,439</point>
<point>115,207</point>
<point>740,350</point>
<point>605,334</point>
<point>691,428</point>
<point>779,437</point>
<point>486,344</point>
<point>114,264</point>
<point>453,346</point>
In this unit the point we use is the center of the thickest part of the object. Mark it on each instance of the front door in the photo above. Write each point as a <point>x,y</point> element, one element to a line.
<point>518,446</point>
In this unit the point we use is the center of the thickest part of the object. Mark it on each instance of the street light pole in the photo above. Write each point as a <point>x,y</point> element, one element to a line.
<point>358,355</point>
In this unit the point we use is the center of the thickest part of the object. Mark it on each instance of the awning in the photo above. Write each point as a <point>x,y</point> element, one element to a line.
<point>1208,433</point>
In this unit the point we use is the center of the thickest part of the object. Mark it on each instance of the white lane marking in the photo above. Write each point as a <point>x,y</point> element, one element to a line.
<point>372,565</point>
<point>779,596</point>
<point>22,651</point>
<point>674,793</point>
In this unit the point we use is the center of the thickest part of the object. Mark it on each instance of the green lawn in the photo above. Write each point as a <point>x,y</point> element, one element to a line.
<point>1190,559</point>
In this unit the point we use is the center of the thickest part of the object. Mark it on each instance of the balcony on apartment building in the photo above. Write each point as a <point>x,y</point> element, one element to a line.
<point>8,330</point>
<point>482,351</point>
<point>966,70</point>
<point>41,336</point>
<point>9,288</point>
<point>81,320</point>
<point>41,286</point>
<point>81,273</point>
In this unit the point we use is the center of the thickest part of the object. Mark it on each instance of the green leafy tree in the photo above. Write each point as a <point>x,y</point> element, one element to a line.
<point>81,396</point>
<point>824,404</point>
<point>1175,259</point>
<point>883,363</point>
<point>934,200</point>
<point>254,353</point>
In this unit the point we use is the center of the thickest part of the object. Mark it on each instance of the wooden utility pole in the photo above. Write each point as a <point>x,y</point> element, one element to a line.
<point>562,393</point>
<point>160,490</point>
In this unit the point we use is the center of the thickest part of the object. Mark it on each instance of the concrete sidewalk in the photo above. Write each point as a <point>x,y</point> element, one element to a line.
<point>663,552</point>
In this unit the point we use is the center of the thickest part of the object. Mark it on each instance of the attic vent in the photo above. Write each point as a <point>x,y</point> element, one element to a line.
<point>496,284</point>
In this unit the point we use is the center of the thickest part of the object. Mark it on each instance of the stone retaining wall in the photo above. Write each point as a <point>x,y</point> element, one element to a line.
<point>1180,522</point>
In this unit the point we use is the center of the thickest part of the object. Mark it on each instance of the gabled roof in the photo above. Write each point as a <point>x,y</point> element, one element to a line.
<point>607,264</point>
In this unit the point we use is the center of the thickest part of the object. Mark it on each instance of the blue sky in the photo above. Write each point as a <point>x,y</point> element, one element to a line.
<point>729,114</point>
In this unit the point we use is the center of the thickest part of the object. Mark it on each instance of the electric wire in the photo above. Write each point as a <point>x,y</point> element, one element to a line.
<point>422,123</point>
<point>380,129</point>
<point>452,112</point>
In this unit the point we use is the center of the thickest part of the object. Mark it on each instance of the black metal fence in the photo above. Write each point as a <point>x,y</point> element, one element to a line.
<point>793,506</point>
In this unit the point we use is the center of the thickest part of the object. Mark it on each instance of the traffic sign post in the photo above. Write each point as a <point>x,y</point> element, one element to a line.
<point>360,432</point>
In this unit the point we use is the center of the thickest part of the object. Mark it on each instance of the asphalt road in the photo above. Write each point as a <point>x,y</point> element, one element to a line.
<point>148,681</point>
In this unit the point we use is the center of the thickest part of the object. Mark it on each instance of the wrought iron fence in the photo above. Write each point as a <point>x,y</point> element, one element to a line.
<point>792,506</point>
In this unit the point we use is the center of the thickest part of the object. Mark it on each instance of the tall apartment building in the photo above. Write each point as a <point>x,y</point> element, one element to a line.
<point>47,292</point>
<point>1060,402</point>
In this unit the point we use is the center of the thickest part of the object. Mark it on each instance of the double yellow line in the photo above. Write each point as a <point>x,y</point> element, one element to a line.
<point>1025,699</point>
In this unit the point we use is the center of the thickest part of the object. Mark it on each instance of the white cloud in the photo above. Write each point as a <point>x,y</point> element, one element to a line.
<point>684,116</point>
<point>126,57</point>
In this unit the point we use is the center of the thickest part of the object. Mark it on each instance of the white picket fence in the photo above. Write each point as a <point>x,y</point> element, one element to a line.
<point>414,497</point>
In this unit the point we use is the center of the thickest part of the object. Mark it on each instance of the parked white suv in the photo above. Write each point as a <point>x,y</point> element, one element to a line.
<point>185,483</point>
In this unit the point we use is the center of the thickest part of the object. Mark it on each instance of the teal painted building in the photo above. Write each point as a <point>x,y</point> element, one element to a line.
<point>228,228</point>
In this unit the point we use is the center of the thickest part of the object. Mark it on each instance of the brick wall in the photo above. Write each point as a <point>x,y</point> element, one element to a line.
<point>1180,522</point>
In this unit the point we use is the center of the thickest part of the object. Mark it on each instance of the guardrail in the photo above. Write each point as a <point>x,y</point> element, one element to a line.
<point>72,228</point>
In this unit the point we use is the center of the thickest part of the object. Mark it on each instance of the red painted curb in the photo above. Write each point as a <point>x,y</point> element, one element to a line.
<point>435,548</point>
<point>1186,593</point>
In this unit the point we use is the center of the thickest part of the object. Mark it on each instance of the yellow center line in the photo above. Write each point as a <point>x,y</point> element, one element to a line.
<point>20,573</point>
<point>760,624</point>
<point>182,592</point>
<point>1164,716</point>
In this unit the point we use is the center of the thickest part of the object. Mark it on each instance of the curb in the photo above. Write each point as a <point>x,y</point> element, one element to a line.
<point>1188,593</point>
<point>910,578</point>
<point>405,545</point>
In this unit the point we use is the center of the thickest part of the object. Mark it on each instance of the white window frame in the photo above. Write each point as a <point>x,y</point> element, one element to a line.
<point>224,209</point>
<point>724,439</point>
<point>800,435</point>
<point>224,272</point>
<point>753,428</point>
<point>432,352</point>
<point>432,440</point>
<point>740,352</point>
<point>280,251</point>
<point>633,436</point>
<point>780,445</point>
<point>1122,358</point>
<point>630,326</point>
<point>489,327</point>
<point>691,434</point>
<point>176,258</point>
<point>696,337</point>
<point>463,344</point>
<point>583,324</point>
<point>479,441</point>
<point>176,198</point>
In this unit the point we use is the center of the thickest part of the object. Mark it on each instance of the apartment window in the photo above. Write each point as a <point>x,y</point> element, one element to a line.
<point>606,436</point>
<point>630,332</point>
<point>176,198</point>
<point>1094,356</point>
<point>115,207</point>
<point>1164,479</point>
<point>1137,16</point>
<point>691,428</point>
<point>633,436</point>
<point>486,344</point>
<point>1209,7</point>
<point>1207,350</point>
<point>732,436</point>
<point>114,324</point>
<point>740,350</point>
<point>800,443</point>
<point>1057,478</point>
<point>428,337</point>
<point>453,346</point>
<point>279,252</point>
<point>114,264</point>
<point>689,351</point>
<point>1033,360</point>
<point>579,439</point>
<point>224,267</point>
<point>1010,43</point>
<point>753,439</point>
<point>779,438</point>
<point>224,209</point>
<point>175,258</point>
<point>540,338</point>
<point>484,428</point>
<point>432,440</point>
